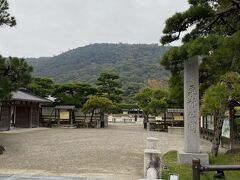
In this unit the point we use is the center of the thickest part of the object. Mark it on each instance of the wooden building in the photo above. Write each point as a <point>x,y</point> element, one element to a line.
<point>22,110</point>
<point>171,119</point>
<point>70,116</point>
<point>64,115</point>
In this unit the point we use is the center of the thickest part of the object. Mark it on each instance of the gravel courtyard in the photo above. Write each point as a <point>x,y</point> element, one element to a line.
<point>115,152</point>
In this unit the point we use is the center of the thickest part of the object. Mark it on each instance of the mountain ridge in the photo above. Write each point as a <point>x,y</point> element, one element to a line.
<point>135,63</point>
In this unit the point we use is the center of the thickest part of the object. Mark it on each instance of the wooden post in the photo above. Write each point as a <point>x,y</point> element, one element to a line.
<point>9,124</point>
<point>207,135</point>
<point>14,114</point>
<point>165,120</point>
<point>30,116</point>
<point>39,116</point>
<point>55,115</point>
<point>70,117</point>
<point>196,166</point>
<point>0,110</point>
<point>58,117</point>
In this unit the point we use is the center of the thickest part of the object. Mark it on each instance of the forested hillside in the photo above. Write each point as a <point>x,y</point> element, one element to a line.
<point>134,63</point>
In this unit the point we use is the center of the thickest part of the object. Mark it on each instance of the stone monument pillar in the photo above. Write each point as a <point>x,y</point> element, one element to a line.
<point>191,114</point>
<point>191,106</point>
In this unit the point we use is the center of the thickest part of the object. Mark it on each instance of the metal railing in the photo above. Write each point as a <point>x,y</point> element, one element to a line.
<point>197,168</point>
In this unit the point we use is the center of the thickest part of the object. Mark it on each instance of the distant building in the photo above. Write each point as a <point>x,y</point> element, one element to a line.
<point>127,116</point>
<point>23,110</point>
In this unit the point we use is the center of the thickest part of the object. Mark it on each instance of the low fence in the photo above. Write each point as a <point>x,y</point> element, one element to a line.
<point>122,118</point>
<point>208,134</point>
<point>79,121</point>
<point>163,125</point>
<point>197,168</point>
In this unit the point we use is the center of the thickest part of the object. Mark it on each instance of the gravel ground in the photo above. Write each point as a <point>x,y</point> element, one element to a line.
<point>115,152</point>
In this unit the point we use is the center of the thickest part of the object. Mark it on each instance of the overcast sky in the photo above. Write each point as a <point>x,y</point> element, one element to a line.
<point>49,27</point>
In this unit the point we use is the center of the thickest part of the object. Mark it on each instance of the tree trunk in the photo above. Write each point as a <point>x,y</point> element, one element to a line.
<point>101,112</point>
<point>92,116</point>
<point>85,117</point>
<point>217,133</point>
<point>145,121</point>
<point>73,116</point>
<point>165,120</point>
<point>102,117</point>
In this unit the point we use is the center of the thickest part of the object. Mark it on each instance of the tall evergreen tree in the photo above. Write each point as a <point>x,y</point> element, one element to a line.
<point>42,86</point>
<point>5,17</point>
<point>108,86</point>
<point>212,28</point>
<point>14,73</point>
<point>205,17</point>
<point>73,93</point>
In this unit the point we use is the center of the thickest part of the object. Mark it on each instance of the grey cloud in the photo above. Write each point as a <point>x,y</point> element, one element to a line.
<point>49,27</point>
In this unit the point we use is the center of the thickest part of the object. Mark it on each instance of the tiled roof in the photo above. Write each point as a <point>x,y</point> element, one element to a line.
<point>24,96</point>
<point>64,107</point>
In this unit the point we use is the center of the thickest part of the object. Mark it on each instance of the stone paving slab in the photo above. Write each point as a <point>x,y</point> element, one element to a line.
<point>28,177</point>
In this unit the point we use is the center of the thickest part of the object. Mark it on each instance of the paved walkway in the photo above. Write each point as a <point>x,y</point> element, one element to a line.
<point>115,152</point>
<point>29,177</point>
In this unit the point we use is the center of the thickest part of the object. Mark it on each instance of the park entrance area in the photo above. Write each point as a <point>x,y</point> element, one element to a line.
<point>112,153</point>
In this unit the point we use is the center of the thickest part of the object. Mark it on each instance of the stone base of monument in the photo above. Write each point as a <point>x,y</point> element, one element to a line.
<point>186,158</point>
<point>176,130</point>
<point>152,164</point>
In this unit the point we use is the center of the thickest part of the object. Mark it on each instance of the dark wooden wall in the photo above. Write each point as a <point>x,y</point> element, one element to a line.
<point>35,116</point>
<point>5,118</point>
<point>27,116</point>
<point>22,116</point>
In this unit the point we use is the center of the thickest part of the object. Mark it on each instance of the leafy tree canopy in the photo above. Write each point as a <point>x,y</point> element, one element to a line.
<point>14,73</point>
<point>155,84</point>
<point>95,102</point>
<point>152,101</point>
<point>108,86</point>
<point>73,93</point>
<point>130,91</point>
<point>218,96</point>
<point>220,55</point>
<point>217,99</point>
<point>42,86</point>
<point>5,17</point>
<point>207,17</point>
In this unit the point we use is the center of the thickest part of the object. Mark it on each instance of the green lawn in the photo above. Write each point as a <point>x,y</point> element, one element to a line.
<point>185,171</point>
